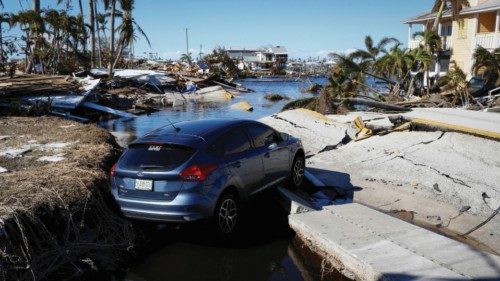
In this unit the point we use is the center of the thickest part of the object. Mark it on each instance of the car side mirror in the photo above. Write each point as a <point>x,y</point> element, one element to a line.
<point>285,136</point>
<point>272,146</point>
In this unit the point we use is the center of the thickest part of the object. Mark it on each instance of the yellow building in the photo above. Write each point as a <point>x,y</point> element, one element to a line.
<point>478,26</point>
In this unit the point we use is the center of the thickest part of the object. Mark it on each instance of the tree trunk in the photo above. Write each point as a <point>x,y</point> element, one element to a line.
<point>427,74</point>
<point>121,46</point>
<point>36,5</point>
<point>92,33</point>
<point>379,77</point>
<point>1,44</point>
<point>98,28</point>
<point>439,15</point>
<point>112,39</point>
<point>82,26</point>
<point>411,88</point>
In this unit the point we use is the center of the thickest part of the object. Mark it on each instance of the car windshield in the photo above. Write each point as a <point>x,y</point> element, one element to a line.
<point>163,157</point>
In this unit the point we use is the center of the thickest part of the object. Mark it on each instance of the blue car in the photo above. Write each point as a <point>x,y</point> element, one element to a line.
<point>196,170</point>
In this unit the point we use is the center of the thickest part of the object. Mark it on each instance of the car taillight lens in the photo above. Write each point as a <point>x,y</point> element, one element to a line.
<point>197,172</point>
<point>113,171</point>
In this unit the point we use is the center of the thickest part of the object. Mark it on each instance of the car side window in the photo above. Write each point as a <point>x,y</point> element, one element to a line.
<point>262,135</point>
<point>232,142</point>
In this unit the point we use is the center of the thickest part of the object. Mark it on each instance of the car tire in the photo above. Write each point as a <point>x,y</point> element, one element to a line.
<point>297,172</point>
<point>226,214</point>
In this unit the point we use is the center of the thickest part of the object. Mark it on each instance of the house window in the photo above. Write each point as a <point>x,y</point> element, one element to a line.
<point>444,65</point>
<point>486,22</point>
<point>446,30</point>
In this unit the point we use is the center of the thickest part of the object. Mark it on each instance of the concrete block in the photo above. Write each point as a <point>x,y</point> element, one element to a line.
<point>374,246</point>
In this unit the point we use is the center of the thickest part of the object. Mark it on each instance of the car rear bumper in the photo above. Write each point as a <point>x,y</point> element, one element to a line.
<point>184,208</point>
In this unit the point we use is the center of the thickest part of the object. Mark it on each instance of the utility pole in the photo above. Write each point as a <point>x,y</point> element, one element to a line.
<point>200,51</point>
<point>187,42</point>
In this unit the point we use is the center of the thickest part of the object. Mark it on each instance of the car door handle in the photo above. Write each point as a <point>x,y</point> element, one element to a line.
<point>236,164</point>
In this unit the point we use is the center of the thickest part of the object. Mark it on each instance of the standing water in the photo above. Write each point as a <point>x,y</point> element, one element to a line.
<point>194,110</point>
<point>262,249</point>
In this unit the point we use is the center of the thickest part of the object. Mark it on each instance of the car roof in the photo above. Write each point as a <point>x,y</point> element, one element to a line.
<point>191,133</point>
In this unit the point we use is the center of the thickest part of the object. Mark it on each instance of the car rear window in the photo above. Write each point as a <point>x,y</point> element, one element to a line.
<point>164,157</point>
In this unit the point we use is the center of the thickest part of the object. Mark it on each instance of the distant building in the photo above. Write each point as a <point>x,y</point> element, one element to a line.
<point>478,26</point>
<point>259,58</point>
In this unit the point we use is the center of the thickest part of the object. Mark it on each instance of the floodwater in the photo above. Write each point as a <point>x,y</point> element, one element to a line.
<point>193,110</point>
<point>262,249</point>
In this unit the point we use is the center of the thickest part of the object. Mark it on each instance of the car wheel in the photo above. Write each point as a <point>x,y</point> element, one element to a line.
<point>297,172</point>
<point>226,214</point>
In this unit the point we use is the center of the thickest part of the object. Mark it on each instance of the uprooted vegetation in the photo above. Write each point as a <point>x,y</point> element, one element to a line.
<point>55,216</point>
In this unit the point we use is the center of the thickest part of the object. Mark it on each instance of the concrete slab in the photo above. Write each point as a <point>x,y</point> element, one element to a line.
<point>446,180</point>
<point>365,244</point>
<point>317,132</point>
<point>475,122</point>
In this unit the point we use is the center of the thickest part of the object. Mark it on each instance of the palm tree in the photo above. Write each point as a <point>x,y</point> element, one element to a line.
<point>396,63</point>
<point>101,22</point>
<point>92,33</point>
<point>4,18</point>
<point>456,81</point>
<point>372,52</point>
<point>431,45</point>
<point>111,4</point>
<point>127,29</point>
<point>488,63</point>
<point>32,23</point>
<point>454,5</point>
<point>423,61</point>
<point>82,25</point>
<point>187,58</point>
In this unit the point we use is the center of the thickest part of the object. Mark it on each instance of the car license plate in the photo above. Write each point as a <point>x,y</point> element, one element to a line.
<point>144,185</point>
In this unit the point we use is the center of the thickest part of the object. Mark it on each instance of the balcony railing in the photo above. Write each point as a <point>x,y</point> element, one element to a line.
<point>488,40</point>
<point>445,41</point>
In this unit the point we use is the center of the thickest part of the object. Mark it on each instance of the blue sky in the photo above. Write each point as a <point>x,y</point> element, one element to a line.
<point>306,27</point>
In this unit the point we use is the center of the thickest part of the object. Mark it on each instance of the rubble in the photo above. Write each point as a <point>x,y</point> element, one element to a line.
<point>128,93</point>
<point>275,97</point>
<point>244,105</point>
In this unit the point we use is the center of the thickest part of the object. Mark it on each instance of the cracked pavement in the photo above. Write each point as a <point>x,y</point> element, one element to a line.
<point>317,134</point>
<point>436,175</point>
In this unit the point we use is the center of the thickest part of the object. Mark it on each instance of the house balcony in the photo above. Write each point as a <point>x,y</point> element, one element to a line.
<point>445,41</point>
<point>490,40</point>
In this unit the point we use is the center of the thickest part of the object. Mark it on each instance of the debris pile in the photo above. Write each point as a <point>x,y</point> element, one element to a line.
<point>128,93</point>
<point>55,217</point>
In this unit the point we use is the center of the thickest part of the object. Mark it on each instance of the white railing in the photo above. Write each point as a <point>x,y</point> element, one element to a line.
<point>446,41</point>
<point>413,44</point>
<point>488,40</point>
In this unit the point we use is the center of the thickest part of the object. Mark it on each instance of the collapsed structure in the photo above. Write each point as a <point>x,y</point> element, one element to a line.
<point>259,58</point>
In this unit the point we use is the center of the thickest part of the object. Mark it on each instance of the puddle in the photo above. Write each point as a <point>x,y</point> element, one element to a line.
<point>262,250</point>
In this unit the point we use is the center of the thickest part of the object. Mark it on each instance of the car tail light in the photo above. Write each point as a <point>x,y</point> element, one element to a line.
<point>113,170</point>
<point>197,172</point>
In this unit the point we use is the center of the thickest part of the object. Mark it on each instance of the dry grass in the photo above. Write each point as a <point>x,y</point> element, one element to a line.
<point>35,182</point>
<point>55,216</point>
